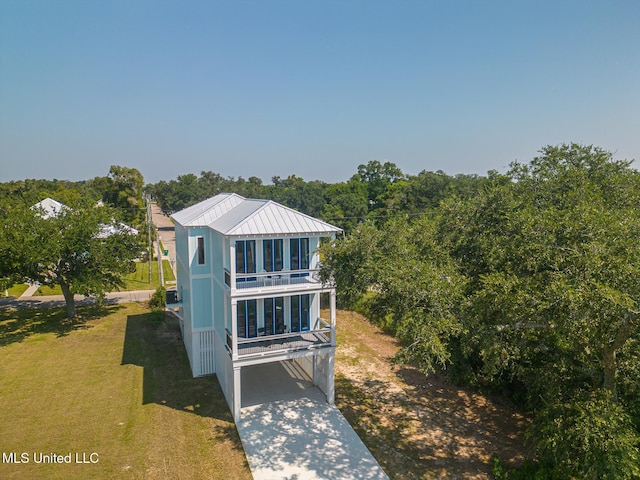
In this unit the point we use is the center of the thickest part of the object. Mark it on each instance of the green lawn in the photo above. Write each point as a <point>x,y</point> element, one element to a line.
<point>138,280</point>
<point>17,290</point>
<point>114,382</point>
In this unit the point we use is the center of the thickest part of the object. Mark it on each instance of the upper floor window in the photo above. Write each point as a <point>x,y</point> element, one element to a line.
<point>272,255</point>
<point>299,253</point>
<point>200,250</point>
<point>246,256</point>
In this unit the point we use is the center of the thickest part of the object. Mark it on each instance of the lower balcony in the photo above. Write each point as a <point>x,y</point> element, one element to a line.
<point>267,345</point>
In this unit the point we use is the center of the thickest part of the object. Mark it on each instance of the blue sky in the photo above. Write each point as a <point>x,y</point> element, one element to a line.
<point>264,88</point>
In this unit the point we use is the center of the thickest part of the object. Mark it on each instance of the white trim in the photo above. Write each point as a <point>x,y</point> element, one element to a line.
<point>286,291</point>
<point>245,362</point>
<point>199,276</point>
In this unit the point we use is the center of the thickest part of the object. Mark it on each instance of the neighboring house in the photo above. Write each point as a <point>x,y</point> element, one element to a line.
<point>49,207</point>
<point>248,291</point>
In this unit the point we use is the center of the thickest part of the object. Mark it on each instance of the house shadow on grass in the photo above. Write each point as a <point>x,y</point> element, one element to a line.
<point>17,324</point>
<point>153,341</point>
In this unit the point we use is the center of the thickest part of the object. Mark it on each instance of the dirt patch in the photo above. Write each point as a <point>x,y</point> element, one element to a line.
<point>418,426</point>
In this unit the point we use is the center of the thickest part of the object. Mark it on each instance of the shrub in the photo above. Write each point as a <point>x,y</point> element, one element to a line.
<point>158,299</point>
<point>589,437</point>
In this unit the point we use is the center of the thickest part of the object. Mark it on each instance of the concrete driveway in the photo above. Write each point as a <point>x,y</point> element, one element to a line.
<point>289,431</point>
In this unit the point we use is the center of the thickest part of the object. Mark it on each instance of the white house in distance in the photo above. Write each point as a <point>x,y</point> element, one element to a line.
<point>248,291</point>
<point>49,208</point>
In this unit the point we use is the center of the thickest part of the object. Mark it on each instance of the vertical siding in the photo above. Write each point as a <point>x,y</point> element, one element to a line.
<point>206,352</point>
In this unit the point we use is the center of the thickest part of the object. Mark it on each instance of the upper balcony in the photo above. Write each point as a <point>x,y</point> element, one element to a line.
<point>266,282</point>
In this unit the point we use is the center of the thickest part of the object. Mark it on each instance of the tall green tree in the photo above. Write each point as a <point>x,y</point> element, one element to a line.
<point>346,204</point>
<point>412,283</point>
<point>378,177</point>
<point>122,189</point>
<point>84,250</point>
<point>551,254</point>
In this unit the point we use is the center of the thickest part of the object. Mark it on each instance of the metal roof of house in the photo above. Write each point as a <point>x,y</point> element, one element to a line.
<point>203,213</point>
<point>49,207</point>
<point>250,217</point>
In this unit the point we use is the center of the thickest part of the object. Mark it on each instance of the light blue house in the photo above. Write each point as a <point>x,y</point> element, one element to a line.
<point>248,291</point>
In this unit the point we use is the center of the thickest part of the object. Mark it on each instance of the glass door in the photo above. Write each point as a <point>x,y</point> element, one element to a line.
<point>247,319</point>
<point>245,259</point>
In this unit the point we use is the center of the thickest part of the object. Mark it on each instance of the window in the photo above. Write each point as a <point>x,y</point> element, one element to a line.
<point>200,248</point>
<point>272,255</point>
<point>247,319</point>
<point>300,313</point>
<point>299,255</point>
<point>273,315</point>
<point>246,258</point>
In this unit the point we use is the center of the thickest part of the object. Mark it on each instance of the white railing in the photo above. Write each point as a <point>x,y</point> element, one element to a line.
<point>280,343</point>
<point>277,279</point>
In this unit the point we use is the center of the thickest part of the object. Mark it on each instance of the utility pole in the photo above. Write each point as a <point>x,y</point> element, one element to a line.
<point>160,271</point>
<point>150,256</point>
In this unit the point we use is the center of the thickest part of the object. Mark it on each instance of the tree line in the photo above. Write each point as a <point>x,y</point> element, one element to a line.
<point>377,190</point>
<point>530,288</point>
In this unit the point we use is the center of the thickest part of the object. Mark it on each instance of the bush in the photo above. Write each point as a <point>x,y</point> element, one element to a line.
<point>158,299</point>
<point>589,437</point>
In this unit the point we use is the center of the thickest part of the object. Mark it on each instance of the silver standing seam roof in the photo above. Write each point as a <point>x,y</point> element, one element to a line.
<point>49,208</point>
<point>233,215</point>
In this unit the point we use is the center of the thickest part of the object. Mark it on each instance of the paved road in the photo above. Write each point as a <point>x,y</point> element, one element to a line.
<point>58,300</point>
<point>166,232</point>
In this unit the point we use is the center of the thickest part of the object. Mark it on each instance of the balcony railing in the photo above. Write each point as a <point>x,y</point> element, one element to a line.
<point>277,344</point>
<point>267,280</point>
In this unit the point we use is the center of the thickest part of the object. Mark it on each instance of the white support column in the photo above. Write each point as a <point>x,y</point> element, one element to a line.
<point>237,392</point>
<point>316,361</point>
<point>232,265</point>
<point>330,390</point>
<point>234,329</point>
<point>332,307</point>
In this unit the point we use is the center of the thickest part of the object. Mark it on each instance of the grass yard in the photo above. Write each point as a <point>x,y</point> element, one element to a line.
<point>138,280</point>
<point>115,382</point>
<point>17,290</point>
<point>114,386</point>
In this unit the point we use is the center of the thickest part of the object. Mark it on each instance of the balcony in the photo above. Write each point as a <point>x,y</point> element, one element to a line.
<point>268,345</point>
<point>275,281</point>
